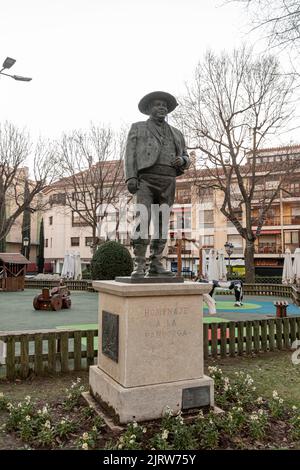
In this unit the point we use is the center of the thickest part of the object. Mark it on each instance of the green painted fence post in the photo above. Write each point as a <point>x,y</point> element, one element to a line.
<point>214,340</point>
<point>271,325</point>
<point>293,329</point>
<point>278,333</point>
<point>223,348</point>
<point>264,335</point>
<point>240,338</point>
<point>90,352</point>
<point>286,333</point>
<point>248,337</point>
<point>52,352</point>
<point>10,358</point>
<point>38,354</point>
<point>232,338</point>
<point>77,350</point>
<point>64,351</point>
<point>24,346</point>
<point>256,336</point>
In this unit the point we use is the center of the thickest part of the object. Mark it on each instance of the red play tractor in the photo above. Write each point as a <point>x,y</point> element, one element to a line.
<point>56,299</point>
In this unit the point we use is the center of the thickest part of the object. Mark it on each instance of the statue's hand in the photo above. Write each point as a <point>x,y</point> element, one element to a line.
<point>178,162</point>
<point>132,185</point>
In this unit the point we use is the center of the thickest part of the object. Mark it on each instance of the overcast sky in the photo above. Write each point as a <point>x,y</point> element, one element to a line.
<point>92,60</point>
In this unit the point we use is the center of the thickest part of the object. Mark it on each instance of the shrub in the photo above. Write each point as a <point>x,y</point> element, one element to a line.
<point>110,260</point>
<point>86,274</point>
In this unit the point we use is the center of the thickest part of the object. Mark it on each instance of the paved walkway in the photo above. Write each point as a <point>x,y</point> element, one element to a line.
<point>254,308</point>
<point>17,312</point>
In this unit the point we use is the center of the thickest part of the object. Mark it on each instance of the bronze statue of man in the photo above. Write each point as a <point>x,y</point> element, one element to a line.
<point>155,155</point>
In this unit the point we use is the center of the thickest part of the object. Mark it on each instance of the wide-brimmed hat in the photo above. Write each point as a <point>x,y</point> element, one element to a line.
<point>157,95</point>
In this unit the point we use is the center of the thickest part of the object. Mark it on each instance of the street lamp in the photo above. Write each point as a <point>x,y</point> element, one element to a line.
<point>25,244</point>
<point>229,250</point>
<point>7,64</point>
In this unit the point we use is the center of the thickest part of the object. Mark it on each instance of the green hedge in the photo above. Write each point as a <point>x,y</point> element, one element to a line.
<point>110,260</point>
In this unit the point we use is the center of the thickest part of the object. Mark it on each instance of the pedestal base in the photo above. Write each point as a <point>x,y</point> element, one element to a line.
<point>150,280</point>
<point>150,401</point>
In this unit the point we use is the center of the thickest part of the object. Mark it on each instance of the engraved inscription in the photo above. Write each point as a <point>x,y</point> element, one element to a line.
<point>110,335</point>
<point>165,311</point>
<point>164,322</point>
<point>195,397</point>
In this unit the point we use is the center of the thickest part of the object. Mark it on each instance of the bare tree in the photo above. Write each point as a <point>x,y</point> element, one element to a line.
<point>92,165</point>
<point>18,190</point>
<point>234,105</point>
<point>280,19</point>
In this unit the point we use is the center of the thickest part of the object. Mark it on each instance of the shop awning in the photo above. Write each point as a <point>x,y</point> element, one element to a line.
<point>270,232</point>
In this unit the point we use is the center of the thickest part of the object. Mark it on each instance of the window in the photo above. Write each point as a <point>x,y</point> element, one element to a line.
<point>51,220</point>
<point>291,238</point>
<point>78,220</point>
<point>75,241</point>
<point>183,219</point>
<point>208,218</point>
<point>237,241</point>
<point>294,189</point>
<point>206,194</point>
<point>88,241</point>
<point>58,198</point>
<point>208,241</point>
<point>46,242</point>
<point>80,196</point>
<point>183,196</point>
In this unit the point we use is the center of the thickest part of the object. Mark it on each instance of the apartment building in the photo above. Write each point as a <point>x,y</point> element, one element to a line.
<point>196,217</point>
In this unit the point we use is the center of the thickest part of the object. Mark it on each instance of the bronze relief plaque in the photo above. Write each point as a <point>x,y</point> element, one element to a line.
<point>195,397</point>
<point>110,335</point>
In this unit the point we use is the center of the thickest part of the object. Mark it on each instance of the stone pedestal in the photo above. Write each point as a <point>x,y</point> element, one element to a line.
<point>150,349</point>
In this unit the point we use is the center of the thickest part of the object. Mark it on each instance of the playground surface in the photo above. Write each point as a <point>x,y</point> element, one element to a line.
<point>17,312</point>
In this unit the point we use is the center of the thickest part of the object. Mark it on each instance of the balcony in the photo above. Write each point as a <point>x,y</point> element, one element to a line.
<point>291,246</point>
<point>291,220</point>
<point>268,248</point>
<point>275,221</point>
<point>183,199</point>
<point>172,250</point>
<point>270,221</point>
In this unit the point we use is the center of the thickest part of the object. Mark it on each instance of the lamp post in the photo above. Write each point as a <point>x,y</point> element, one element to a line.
<point>229,250</point>
<point>25,244</point>
<point>7,64</point>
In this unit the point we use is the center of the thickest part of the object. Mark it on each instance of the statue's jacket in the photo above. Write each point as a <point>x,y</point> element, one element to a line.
<point>144,145</point>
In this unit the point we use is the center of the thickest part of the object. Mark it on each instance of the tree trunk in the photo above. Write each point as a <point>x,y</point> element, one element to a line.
<point>95,239</point>
<point>40,256</point>
<point>2,221</point>
<point>249,262</point>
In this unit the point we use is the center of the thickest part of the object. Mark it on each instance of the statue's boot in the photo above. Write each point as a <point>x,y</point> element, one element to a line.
<point>156,267</point>
<point>139,251</point>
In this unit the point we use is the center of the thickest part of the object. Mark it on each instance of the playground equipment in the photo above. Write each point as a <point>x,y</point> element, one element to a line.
<point>12,271</point>
<point>235,286</point>
<point>56,299</point>
<point>281,306</point>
